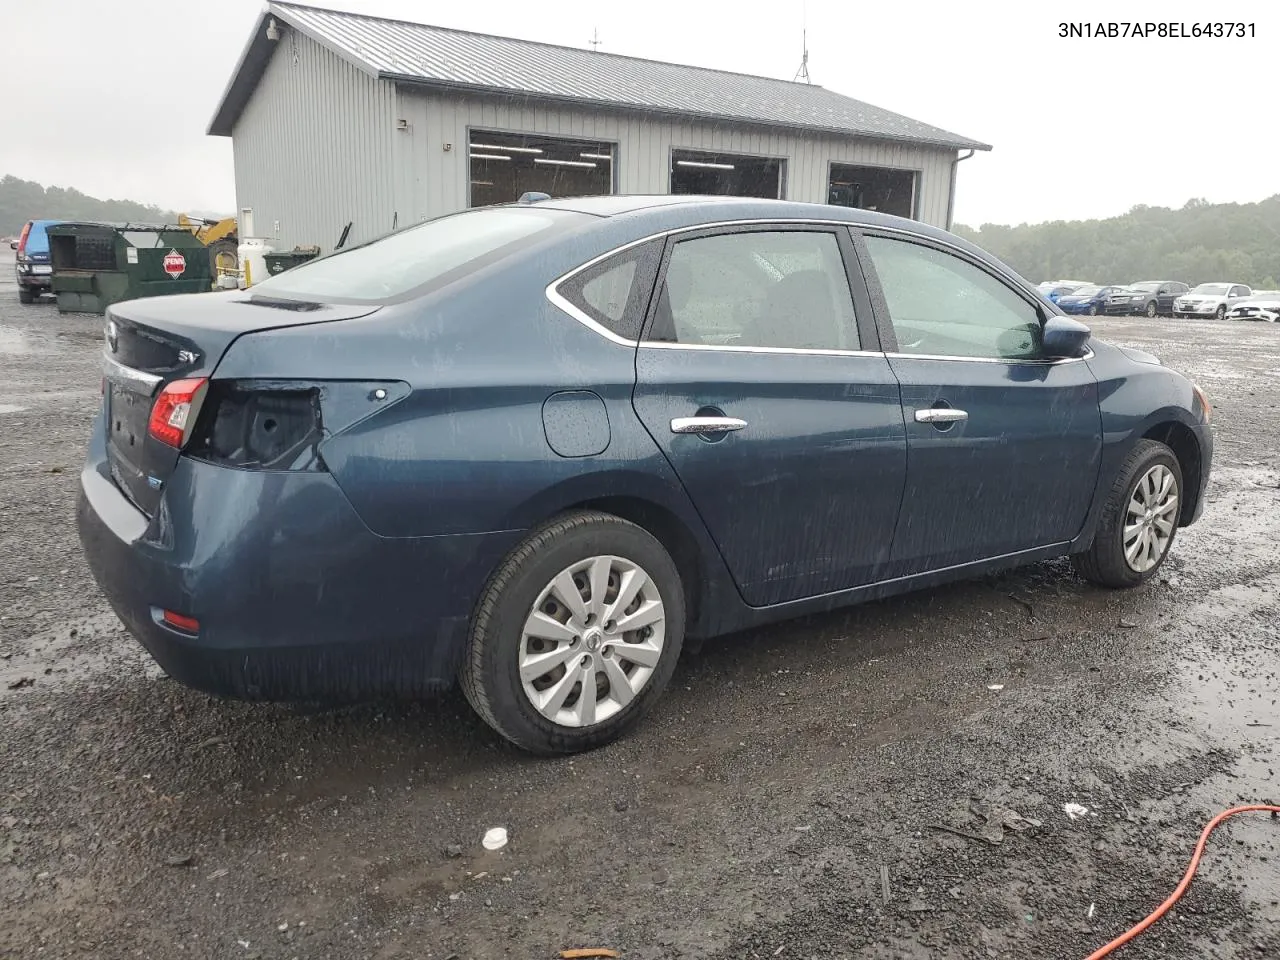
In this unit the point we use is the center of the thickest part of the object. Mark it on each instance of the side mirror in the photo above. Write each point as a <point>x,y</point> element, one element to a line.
<point>13,244</point>
<point>1065,338</point>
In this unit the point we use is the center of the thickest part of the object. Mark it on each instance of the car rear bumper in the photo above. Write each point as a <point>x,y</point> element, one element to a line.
<point>296,598</point>
<point>35,281</point>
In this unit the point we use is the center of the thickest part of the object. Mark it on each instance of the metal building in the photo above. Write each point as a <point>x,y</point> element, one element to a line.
<point>340,118</point>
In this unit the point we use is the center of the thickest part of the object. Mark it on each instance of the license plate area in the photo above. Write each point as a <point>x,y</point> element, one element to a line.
<point>127,414</point>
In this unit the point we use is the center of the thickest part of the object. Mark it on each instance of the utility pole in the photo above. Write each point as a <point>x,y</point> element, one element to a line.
<point>595,39</point>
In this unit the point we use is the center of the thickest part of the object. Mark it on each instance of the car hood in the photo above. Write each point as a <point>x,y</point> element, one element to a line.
<point>1203,298</point>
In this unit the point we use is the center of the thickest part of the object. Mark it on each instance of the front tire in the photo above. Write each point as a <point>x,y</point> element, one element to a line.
<point>576,635</point>
<point>1139,519</point>
<point>1093,310</point>
<point>1221,312</point>
<point>1151,310</point>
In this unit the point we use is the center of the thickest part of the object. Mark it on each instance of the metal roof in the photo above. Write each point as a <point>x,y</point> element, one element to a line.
<point>454,59</point>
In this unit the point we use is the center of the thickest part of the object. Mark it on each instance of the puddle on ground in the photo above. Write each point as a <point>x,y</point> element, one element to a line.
<point>13,342</point>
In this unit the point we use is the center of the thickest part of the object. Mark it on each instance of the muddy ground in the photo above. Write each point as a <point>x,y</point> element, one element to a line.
<point>782,802</point>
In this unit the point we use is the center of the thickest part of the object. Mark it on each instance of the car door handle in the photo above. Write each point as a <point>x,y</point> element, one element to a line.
<point>940,415</point>
<point>706,425</point>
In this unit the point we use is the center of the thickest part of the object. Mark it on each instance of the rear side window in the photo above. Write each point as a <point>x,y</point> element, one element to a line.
<point>615,292</point>
<point>773,289</point>
<point>409,261</point>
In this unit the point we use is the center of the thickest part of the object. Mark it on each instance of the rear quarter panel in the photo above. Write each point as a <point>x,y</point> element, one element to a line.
<point>466,451</point>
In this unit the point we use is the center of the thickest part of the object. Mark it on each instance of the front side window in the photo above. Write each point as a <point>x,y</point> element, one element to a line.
<point>941,305</point>
<point>779,289</point>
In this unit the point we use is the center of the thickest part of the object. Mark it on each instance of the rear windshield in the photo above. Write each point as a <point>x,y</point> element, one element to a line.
<point>407,261</point>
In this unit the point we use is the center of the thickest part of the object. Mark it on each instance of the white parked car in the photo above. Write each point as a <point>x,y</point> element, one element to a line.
<point>1210,300</point>
<point>1263,305</point>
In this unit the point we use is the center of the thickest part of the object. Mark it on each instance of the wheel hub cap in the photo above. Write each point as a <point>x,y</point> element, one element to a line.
<point>1151,518</point>
<point>592,641</point>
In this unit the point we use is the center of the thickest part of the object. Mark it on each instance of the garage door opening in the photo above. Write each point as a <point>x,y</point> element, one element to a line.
<point>726,174</point>
<point>873,188</point>
<point>504,166</point>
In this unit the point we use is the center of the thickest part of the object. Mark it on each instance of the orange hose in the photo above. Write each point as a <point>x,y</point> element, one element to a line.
<point>1187,877</point>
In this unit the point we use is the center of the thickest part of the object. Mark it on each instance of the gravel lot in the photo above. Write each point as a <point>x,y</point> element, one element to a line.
<point>791,778</point>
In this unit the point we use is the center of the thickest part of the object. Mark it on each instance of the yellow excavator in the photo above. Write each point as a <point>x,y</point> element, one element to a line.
<point>219,237</point>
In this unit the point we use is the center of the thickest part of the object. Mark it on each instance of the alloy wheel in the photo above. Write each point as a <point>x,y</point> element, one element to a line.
<point>592,640</point>
<point>1151,311</point>
<point>1151,518</point>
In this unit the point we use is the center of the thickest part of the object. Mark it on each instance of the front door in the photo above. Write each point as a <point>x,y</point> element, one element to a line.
<point>1003,445</point>
<point>770,397</point>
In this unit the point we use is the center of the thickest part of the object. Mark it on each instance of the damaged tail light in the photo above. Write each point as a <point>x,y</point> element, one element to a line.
<point>175,411</point>
<point>259,425</point>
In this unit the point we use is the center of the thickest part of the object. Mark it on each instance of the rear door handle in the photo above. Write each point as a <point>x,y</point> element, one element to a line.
<point>706,425</point>
<point>941,415</point>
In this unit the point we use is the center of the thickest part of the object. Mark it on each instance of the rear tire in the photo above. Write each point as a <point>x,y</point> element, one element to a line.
<point>1139,520</point>
<point>26,294</point>
<point>587,638</point>
<point>1151,310</point>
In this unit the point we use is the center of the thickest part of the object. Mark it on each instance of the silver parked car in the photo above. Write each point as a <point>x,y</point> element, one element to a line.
<point>1210,300</point>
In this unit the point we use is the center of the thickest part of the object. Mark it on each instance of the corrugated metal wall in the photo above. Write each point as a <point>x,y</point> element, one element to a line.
<point>313,149</point>
<point>318,145</point>
<point>432,180</point>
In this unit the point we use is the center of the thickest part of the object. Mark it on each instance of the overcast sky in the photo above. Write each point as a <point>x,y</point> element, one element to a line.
<point>113,96</point>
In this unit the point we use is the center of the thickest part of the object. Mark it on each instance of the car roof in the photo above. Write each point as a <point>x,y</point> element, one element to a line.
<point>661,212</point>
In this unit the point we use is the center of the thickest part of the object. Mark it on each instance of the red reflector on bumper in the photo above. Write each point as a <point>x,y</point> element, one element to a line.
<point>189,624</point>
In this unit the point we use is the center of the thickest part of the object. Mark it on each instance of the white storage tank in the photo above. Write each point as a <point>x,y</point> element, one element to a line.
<point>253,260</point>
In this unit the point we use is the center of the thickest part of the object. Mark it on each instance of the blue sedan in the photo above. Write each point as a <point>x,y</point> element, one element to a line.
<point>1089,301</point>
<point>534,447</point>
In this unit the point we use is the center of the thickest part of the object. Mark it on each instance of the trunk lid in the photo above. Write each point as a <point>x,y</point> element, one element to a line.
<point>152,342</point>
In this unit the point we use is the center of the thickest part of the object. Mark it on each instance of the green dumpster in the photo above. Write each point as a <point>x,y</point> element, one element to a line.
<point>280,262</point>
<point>98,264</point>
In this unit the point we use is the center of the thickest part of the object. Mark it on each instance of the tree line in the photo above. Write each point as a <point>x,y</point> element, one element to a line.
<point>1200,243</point>
<point>23,200</point>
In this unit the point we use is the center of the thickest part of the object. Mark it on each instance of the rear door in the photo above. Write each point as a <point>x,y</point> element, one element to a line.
<point>1003,446</point>
<point>767,391</point>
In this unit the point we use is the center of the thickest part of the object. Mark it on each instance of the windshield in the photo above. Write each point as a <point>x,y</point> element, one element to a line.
<point>1212,289</point>
<point>1087,292</point>
<point>1144,287</point>
<point>394,265</point>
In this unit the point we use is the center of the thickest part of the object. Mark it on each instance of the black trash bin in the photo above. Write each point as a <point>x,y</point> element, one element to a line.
<point>280,262</point>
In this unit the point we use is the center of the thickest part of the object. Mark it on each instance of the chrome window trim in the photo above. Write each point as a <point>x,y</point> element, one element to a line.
<point>1028,363</point>
<point>558,300</point>
<point>730,348</point>
<point>117,372</point>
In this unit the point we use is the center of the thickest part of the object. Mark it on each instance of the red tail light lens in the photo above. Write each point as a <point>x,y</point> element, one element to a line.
<point>174,413</point>
<point>22,240</point>
<point>189,624</point>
